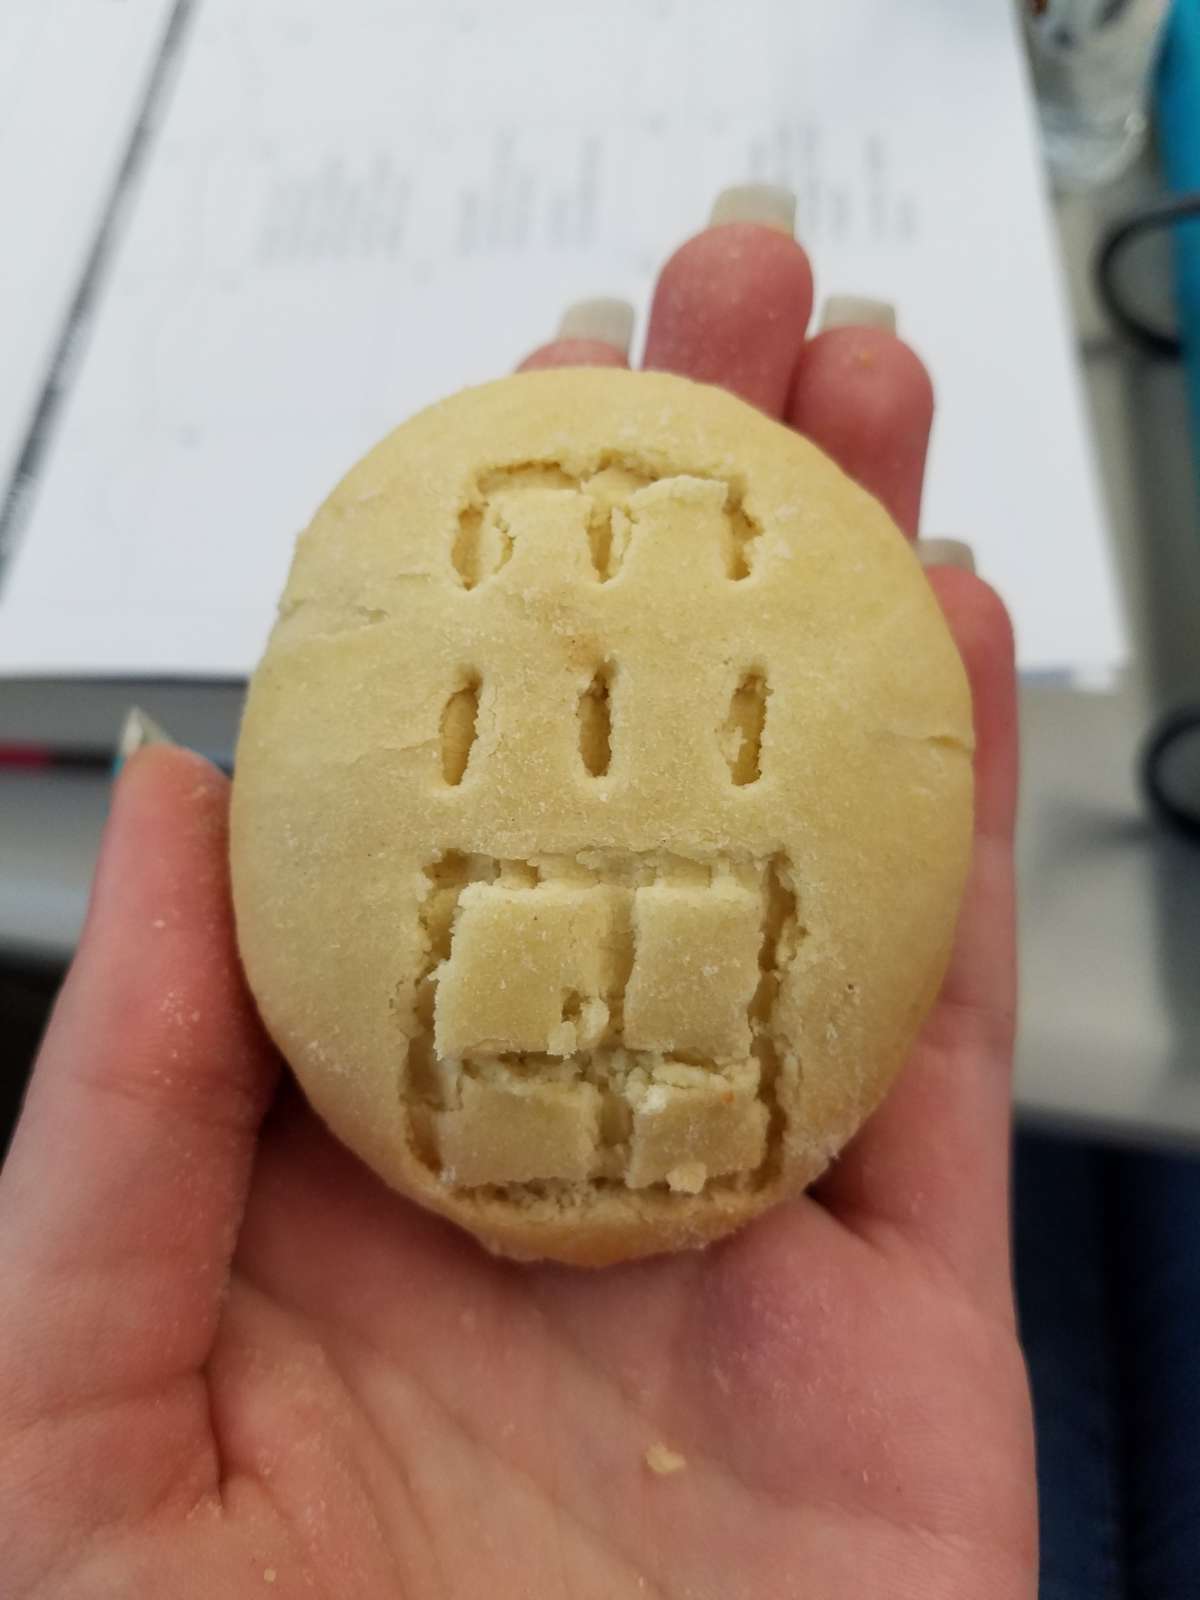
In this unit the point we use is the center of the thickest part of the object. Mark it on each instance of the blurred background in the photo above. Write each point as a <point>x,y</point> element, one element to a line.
<point>243,240</point>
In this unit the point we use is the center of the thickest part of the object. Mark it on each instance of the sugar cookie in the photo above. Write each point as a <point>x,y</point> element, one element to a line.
<point>602,810</point>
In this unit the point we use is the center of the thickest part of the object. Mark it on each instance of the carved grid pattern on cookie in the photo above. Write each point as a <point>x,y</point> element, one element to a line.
<point>586,529</point>
<point>602,1017</point>
<point>483,541</point>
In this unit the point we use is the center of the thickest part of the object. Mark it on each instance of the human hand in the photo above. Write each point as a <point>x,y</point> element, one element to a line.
<point>232,1363</point>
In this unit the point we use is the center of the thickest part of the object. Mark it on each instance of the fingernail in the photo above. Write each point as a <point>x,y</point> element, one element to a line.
<point>946,553</point>
<point>767,203</point>
<point>857,311</point>
<point>137,731</point>
<point>608,321</point>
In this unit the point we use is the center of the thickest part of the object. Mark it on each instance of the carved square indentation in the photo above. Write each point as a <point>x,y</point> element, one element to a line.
<point>529,1127</point>
<point>690,1124</point>
<point>695,969</point>
<point>603,1017</point>
<point>517,957</point>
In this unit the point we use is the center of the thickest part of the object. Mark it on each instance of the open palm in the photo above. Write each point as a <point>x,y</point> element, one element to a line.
<point>231,1362</point>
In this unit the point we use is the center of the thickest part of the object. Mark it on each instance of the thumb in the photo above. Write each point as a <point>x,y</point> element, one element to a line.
<point>122,1193</point>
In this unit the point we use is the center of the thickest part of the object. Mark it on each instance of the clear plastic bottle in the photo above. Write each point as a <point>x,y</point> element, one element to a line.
<point>1092,61</point>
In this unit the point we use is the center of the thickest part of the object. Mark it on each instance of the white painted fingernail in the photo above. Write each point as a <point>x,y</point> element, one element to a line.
<point>767,203</point>
<point>857,311</point>
<point>946,553</point>
<point>137,731</point>
<point>608,321</point>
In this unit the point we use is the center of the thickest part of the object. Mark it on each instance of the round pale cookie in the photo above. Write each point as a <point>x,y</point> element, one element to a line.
<point>602,810</point>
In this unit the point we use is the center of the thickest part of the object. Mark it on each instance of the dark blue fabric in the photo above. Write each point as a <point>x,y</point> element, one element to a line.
<point>1062,1282</point>
<point>1154,1224</point>
<point>1107,1260</point>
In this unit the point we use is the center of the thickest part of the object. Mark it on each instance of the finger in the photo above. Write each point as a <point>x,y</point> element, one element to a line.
<point>932,1164</point>
<point>121,1196</point>
<point>866,399</point>
<point>731,307</point>
<point>592,333</point>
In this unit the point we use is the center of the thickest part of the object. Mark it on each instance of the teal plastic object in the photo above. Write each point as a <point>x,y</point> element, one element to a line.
<point>1179,137</point>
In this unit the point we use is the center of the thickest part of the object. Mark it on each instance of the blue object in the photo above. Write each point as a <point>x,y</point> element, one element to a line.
<point>1107,1266</point>
<point>1179,137</point>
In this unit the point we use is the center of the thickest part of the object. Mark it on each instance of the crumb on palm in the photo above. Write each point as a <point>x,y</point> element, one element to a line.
<point>664,1461</point>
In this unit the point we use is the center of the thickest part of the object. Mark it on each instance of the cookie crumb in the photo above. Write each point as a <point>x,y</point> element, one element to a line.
<point>689,1177</point>
<point>269,1574</point>
<point>663,1461</point>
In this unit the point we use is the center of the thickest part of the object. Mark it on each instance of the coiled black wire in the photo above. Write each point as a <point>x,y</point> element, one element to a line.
<point>1180,812</point>
<point>1164,213</point>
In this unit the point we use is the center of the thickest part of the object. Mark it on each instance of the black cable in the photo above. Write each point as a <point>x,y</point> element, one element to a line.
<point>1147,219</point>
<point>1182,815</point>
<point>1166,738</point>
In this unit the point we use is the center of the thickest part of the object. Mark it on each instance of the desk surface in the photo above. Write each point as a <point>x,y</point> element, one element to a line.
<point>1110,907</point>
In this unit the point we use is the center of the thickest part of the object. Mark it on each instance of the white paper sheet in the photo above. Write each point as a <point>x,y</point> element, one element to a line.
<point>72,74</point>
<point>354,209</point>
